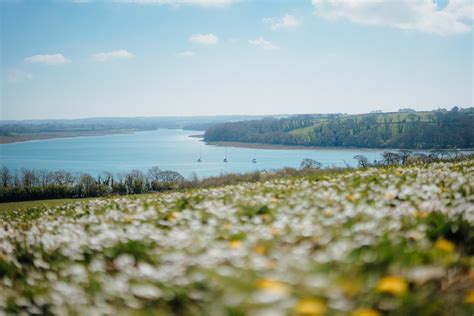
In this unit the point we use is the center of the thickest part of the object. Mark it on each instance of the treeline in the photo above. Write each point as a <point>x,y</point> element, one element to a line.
<point>437,129</point>
<point>26,184</point>
<point>11,127</point>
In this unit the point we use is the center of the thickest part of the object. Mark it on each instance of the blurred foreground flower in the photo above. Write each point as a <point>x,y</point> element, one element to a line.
<point>310,307</point>
<point>234,244</point>
<point>271,285</point>
<point>365,312</point>
<point>469,299</point>
<point>394,285</point>
<point>444,245</point>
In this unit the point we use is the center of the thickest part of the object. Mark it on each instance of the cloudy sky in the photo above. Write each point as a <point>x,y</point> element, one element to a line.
<point>71,59</point>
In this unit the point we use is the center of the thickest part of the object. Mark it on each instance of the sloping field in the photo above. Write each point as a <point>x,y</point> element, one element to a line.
<point>395,241</point>
<point>393,118</point>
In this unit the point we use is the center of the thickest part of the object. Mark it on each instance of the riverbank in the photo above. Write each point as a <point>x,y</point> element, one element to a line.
<point>300,147</point>
<point>48,135</point>
<point>281,147</point>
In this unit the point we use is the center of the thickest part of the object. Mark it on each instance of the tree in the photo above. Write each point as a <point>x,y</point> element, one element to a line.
<point>308,163</point>
<point>154,174</point>
<point>6,176</point>
<point>29,178</point>
<point>169,176</point>
<point>391,158</point>
<point>135,181</point>
<point>87,185</point>
<point>362,161</point>
<point>62,177</point>
<point>404,155</point>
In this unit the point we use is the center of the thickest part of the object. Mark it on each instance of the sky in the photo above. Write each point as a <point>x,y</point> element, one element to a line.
<point>92,58</point>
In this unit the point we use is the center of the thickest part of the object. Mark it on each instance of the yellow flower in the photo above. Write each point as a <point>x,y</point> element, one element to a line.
<point>394,285</point>
<point>444,245</point>
<point>271,285</point>
<point>351,197</point>
<point>422,214</point>
<point>234,244</point>
<point>310,307</point>
<point>365,312</point>
<point>469,298</point>
<point>128,220</point>
<point>260,249</point>
<point>172,216</point>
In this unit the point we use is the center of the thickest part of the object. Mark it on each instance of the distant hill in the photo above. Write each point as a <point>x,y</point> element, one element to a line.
<point>411,130</point>
<point>19,127</point>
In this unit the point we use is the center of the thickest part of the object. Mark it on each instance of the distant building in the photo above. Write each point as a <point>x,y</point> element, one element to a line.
<point>376,111</point>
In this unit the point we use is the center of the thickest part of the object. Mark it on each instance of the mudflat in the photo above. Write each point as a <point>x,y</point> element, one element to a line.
<point>48,135</point>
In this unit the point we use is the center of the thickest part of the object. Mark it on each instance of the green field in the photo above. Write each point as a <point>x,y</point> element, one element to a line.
<point>45,204</point>
<point>376,241</point>
<point>393,117</point>
<point>14,206</point>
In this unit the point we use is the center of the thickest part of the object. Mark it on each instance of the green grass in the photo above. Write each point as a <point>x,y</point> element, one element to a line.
<point>276,246</point>
<point>25,205</point>
<point>394,117</point>
<point>16,206</point>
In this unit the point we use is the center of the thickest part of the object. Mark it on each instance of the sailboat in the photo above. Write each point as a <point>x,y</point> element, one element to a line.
<point>225,159</point>
<point>254,160</point>
<point>200,156</point>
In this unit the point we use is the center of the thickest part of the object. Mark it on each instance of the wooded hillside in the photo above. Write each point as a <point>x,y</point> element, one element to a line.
<point>436,129</point>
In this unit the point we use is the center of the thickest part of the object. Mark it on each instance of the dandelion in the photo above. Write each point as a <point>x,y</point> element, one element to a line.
<point>394,285</point>
<point>444,245</point>
<point>260,249</point>
<point>469,298</point>
<point>365,312</point>
<point>310,307</point>
<point>235,244</point>
<point>271,285</point>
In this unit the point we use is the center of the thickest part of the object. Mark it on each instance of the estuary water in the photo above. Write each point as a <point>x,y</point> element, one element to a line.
<point>169,149</point>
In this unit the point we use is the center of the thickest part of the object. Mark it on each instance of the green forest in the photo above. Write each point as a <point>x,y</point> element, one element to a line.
<point>410,130</point>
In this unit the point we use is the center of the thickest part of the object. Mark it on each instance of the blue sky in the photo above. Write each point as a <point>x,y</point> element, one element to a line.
<point>72,59</point>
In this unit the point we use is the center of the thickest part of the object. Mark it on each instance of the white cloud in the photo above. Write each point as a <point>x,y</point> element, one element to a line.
<point>285,21</point>
<point>263,43</point>
<point>204,39</point>
<point>186,54</point>
<point>419,15</point>
<point>51,59</point>
<point>201,3</point>
<point>116,54</point>
<point>19,76</point>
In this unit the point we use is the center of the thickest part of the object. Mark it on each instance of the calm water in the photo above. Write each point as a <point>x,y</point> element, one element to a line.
<point>166,148</point>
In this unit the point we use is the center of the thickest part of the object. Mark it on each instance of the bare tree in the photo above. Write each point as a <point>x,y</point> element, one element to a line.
<point>62,177</point>
<point>404,155</point>
<point>154,174</point>
<point>362,161</point>
<point>169,176</point>
<point>29,178</point>
<point>308,163</point>
<point>391,158</point>
<point>6,176</point>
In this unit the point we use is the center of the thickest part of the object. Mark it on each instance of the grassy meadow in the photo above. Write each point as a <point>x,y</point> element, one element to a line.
<point>367,242</point>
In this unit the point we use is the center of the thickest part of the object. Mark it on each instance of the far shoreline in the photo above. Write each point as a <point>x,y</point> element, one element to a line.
<point>51,135</point>
<point>282,147</point>
<point>300,147</point>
